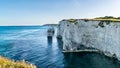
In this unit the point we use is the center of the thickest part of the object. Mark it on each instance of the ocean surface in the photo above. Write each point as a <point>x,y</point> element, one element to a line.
<point>31,44</point>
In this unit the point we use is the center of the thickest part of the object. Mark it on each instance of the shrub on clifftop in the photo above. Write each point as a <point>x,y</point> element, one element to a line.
<point>7,63</point>
<point>108,17</point>
<point>72,20</point>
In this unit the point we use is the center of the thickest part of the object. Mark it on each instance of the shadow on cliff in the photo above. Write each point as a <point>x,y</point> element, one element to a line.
<point>60,44</point>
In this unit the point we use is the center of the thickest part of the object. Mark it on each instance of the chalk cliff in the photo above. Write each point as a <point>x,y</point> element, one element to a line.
<point>81,34</point>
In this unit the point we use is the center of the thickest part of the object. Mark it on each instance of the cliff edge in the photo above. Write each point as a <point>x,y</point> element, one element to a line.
<point>90,34</point>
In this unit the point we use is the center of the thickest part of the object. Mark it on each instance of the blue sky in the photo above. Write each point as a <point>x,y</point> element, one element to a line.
<point>37,12</point>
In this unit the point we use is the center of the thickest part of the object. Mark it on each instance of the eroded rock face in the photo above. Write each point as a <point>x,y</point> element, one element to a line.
<point>50,32</point>
<point>82,34</point>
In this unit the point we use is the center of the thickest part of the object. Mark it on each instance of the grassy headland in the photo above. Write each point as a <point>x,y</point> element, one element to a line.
<point>7,63</point>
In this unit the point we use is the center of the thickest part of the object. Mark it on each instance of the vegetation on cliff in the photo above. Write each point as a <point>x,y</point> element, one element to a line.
<point>7,63</point>
<point>72,20</point>
<point>102,19</point>
<point>107,19</point>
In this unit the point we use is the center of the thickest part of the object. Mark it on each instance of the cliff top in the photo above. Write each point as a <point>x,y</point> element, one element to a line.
<point>104,19</point>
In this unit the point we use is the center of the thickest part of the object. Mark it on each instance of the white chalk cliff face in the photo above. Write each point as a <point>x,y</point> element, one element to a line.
<point>81,34</point>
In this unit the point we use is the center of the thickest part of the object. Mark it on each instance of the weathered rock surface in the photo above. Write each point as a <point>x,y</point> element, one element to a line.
<point>50,32</point>
<point>87,34</point>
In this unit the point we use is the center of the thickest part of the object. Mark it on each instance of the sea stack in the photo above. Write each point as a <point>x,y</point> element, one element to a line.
<point>50,32</point>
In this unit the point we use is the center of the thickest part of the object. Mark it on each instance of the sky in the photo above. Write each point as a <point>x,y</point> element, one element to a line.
<point>38,12</point>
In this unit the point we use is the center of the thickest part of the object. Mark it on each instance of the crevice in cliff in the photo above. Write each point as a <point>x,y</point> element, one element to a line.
<point>101,24</point>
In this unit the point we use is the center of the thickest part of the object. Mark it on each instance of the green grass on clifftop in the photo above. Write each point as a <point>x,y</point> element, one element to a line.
<point>110,20</point>
<point>104,19</point>
<point>107,18</point>
<point>72,20</point>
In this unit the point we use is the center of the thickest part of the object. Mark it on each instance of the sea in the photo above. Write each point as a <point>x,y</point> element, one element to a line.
<point>30,43</point>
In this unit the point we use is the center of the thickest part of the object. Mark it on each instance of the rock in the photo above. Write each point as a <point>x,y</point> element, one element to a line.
<point>114,56</point>
<point>90,33</point>
<point>50,32</point>
<point>59,37</point>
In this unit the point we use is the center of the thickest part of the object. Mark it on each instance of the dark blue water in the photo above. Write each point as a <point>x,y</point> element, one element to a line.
<point>31,43</point>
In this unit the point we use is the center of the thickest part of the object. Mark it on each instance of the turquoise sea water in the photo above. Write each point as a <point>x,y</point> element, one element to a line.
<point>31,43</point>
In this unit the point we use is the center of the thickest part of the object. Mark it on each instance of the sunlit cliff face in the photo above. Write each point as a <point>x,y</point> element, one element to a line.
<point>90,34</point>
